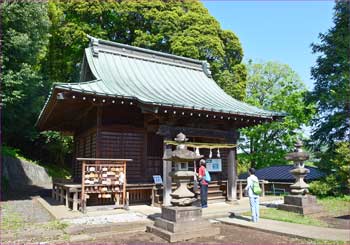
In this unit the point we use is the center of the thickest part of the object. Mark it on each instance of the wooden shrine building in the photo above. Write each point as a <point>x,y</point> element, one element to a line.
<point>130,100</point>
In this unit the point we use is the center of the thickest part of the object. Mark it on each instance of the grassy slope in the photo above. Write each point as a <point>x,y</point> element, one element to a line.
<point>332,205</point>
<point>280,215</point>
<point>51,169</point>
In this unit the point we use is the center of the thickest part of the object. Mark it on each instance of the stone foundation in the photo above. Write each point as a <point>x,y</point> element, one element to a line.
<point>182,223</point>
<point>300,204</point>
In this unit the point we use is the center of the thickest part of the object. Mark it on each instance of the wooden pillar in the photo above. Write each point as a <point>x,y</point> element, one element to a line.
<point>98,131</point>
<point>61,194</point>
<point>53,193</point>
<point>240,190</point>
<point>232,176</point>
<point>166,177</point>
<point>263,188</point>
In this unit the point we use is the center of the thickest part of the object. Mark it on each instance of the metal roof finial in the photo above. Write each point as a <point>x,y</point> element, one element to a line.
<point>206,68</point>
<point>93,44</point>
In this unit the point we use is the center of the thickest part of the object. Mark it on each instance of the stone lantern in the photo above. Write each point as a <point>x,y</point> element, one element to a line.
<point>299,201</point>
<point>182,220</point>
<point>299,172</point>
<point>181,157</point>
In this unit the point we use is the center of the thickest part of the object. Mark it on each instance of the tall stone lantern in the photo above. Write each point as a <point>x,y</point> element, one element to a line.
<point>299,201</point>
<point>182,220</point>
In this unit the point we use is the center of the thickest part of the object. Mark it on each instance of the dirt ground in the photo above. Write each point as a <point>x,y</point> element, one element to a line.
<point>39,227</point>
<point>340,221</point>
<point>229,234</point>
<point>25,221</point>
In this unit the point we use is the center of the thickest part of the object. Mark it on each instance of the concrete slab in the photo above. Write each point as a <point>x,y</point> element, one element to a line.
<point>223,209</point>
<point>290,229</point>
<point>57,210</point>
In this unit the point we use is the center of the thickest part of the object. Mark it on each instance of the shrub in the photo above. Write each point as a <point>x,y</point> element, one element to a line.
<point>320,188</point>
<point>9,151</point>
<point>336,163</point>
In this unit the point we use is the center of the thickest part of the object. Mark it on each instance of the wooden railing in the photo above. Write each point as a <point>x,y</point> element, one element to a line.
<point>68,193</point>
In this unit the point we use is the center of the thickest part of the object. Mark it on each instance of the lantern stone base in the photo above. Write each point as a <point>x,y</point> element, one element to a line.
<point>182,223</point>
<point>300,204</point>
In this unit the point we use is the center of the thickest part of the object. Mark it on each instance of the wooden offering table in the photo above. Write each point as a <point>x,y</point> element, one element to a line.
<point>63,191</point>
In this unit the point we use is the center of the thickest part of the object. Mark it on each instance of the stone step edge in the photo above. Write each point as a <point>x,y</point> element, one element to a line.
<point>183,236</point>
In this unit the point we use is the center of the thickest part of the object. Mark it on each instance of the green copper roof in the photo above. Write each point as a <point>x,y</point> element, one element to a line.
<point>154,78</point>
<point>150,78</point>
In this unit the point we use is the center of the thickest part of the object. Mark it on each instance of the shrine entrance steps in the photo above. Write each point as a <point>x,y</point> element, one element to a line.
<point>216,192</point>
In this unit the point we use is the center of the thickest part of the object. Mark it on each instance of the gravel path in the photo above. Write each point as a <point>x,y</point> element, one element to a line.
<point>29,210</point>
<point>229,234</point>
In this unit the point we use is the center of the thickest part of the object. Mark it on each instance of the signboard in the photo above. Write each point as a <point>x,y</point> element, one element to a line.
<point>157,179</point>
<point>214,165</point>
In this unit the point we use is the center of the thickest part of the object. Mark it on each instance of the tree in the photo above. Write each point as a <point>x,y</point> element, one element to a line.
<point>179,27</point>
<point>335,162</point>
<point>331,94</point>
<point>274,87</point>
<point>332,75</point>
<point>25,36</point>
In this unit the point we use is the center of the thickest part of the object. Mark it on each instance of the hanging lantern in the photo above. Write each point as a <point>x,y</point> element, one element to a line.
<point>218,153</point>
<point>210,154</point>
<point>197,152</point>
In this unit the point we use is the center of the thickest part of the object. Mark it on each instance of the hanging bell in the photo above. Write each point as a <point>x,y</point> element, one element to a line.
<point>218,153</point>
<point>210,154</point>
<point>197,151</point>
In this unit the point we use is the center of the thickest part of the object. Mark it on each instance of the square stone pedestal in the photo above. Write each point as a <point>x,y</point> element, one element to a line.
<point>300,204</point>
<point>182,223</point>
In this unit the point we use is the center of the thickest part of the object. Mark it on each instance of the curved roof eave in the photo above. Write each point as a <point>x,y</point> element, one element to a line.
<point>155,78</point>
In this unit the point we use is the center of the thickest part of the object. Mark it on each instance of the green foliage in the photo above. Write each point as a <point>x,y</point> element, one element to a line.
<point>275,87</point>
<point>243,163</point>
<point>25,36</point>
<point>9,151</point>
<point>57,146</point>
<point>321,188</point>
<point>332,75</point>
<point>179,27</point>
<point>336,163</point>
<point>55,171</point>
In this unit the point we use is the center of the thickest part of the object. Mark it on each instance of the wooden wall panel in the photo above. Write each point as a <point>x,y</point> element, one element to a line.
<point>125,145</point>
<point>85,146</point>
<point>154,167</point>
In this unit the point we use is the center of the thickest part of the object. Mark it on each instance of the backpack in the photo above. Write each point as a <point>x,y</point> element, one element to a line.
<point>207,177</point>
<point>256,188</point>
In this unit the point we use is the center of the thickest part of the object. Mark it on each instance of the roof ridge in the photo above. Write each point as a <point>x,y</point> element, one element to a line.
<point>148,54</point>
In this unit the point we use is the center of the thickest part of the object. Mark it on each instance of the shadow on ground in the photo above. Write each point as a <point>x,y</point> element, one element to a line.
<point>24,193</point>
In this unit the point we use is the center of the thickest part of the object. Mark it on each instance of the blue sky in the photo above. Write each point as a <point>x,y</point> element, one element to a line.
<point>276,30</point>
